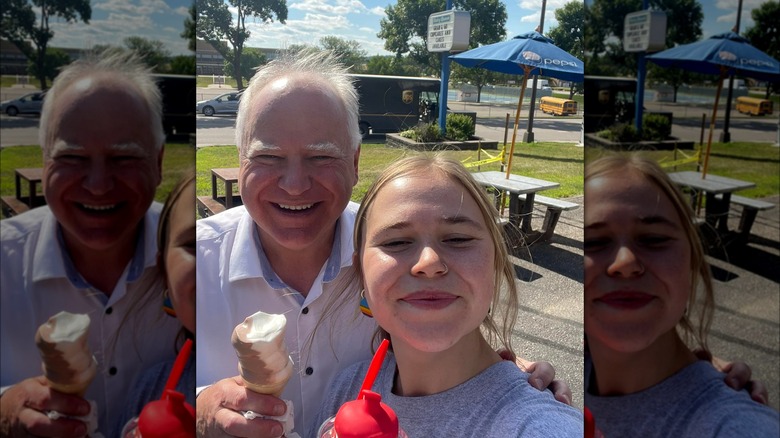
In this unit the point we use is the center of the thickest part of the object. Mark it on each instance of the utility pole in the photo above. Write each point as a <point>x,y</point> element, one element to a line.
<point>725,136</point>
<point>528,136</point>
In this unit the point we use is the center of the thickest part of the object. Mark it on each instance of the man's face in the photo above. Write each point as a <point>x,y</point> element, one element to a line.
<point>102,169</point>
<point>298,169</point>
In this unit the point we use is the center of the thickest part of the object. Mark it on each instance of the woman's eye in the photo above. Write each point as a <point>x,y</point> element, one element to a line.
<point>459,240</point>
<point>595,244</point>
<point>654,240</point>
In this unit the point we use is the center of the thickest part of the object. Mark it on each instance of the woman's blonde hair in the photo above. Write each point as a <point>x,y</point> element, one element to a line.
<point>620,163</point>
<point>499,323</point>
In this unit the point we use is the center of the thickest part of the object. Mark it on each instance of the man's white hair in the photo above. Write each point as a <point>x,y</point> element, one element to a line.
<point>125,66</point>
<point>314,64</point>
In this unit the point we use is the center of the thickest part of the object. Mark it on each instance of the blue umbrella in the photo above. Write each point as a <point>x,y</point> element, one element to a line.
<point>724,54</point>
<point>528,54</point>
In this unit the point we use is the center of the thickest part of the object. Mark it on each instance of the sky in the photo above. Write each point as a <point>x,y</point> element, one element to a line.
<point>310,20</point>
<point>114,20</point>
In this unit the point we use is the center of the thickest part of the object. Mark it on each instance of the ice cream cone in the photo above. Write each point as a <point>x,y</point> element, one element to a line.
<point>263,360</point>
<point>67,363</point>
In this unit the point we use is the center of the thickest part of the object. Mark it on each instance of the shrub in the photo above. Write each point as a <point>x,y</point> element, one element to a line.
<point>655,127</point>
<point>621,132</point>
<point>423,133</point>
<point>459,127</point>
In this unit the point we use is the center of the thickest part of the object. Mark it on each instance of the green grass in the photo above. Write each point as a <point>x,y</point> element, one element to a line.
<point>755,162</point>
<point>177,160</point>
<point>205,81</point>
<point>559,162</point>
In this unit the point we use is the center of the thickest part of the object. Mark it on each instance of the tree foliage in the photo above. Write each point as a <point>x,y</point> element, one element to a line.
<point>392,65</point>
<point>190,30</point>
<point>604,32</point>
<point>21,26</point>
<point>251,58</point>
<point>215,24</point>
<point>153,52</point>
<point>349,51</point>
<point>567,35</point>
<point>52,62</point>
<point>405,27</point>
<point>765,34</point>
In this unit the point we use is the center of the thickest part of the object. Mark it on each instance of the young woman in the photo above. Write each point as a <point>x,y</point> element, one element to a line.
<point>436,276</point>
<point>176,259</point>
<point>648,301</point>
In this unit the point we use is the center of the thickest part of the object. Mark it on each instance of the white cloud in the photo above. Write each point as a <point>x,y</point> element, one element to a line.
<point>139,7</point>
<point>338,7</point>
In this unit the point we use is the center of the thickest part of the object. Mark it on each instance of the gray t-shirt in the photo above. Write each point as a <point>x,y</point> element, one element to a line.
<point>695,402</point>
<point>497,403</point>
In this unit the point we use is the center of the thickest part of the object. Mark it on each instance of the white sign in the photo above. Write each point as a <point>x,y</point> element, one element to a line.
<point>448,31</point>
<point>644,31</point>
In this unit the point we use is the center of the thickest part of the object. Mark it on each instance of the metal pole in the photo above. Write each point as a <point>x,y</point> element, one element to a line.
<point>640,85</point>
<point>443,88</point>
<point>528,136</point>
<point>725,136</point>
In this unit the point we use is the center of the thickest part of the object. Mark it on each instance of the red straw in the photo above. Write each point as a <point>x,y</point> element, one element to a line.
<point>178,367</point>
<point>376,364</point>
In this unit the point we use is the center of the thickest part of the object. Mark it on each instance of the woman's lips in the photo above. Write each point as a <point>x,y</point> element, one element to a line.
<point>429,300</point>
<point>626,300</point>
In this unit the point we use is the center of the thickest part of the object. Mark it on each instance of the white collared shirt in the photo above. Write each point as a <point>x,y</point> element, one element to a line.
<point>235,280</point>
<point>38,281</point>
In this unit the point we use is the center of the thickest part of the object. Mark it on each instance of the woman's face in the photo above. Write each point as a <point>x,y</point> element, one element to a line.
<point>180,257</point>
<point>428,262</point>
<point>637,262</point>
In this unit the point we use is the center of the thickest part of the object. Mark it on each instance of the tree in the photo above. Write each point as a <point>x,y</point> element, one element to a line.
<point>568,34</point>
<point>479,77</point>
<point>392,65</point>
<point>405,28</point>
<point>182,65</point>
<point>251,58</point>
<point>52,62</point>
<point>765,34</point>
<point>604,32</point>
<point>349,51</point>
<point>215,23</point>
<point>153,52</point>
<point>20,26</point>
<point>190,33</point>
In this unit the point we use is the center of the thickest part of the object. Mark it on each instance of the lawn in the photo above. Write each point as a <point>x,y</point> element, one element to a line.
<point>177,159</point>
<point>756,162</point>
<point>560,162</point>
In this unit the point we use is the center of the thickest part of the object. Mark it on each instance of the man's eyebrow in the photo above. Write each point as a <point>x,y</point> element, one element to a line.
<point>259,146</point>
<point>61,146</point>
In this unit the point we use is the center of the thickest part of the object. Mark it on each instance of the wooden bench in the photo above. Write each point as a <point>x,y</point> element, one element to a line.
<point>13,206</point>
<point>554,209</point>
<point>750,208</point>
<point>208,206</point>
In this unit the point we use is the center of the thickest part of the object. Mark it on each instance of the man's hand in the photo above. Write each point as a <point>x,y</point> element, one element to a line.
<point>542,375</point>
<point>218,406</point>
<point>23,409</point>
<point>738,376</point>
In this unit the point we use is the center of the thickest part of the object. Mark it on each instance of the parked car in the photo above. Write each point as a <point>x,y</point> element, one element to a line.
<point>27,104</point>
<point>224,104</point>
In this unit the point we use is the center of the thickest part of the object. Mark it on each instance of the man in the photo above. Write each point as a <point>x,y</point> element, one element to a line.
<point>288,249</point>
<point>91,250</point>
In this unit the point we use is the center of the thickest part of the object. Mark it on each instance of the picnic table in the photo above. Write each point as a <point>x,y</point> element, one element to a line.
<point>27,178</point>
<point>719,198</point>
<point>522,195</point>
<point>210,205</point>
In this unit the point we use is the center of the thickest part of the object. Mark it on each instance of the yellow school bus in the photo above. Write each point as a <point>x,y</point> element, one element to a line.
<point>754,106</point>
<point>557,106</point>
